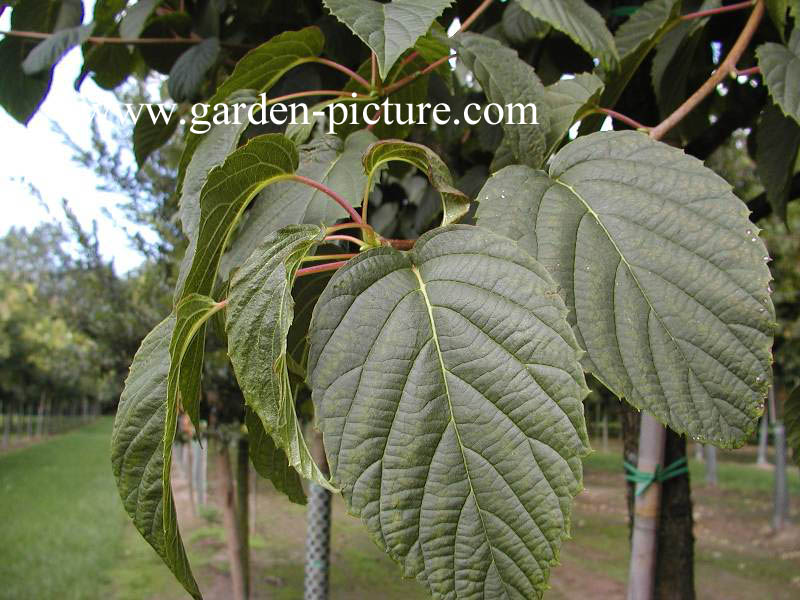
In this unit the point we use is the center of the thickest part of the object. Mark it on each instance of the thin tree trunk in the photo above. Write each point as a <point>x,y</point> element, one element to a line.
<point>40,418</point>
<point>6,424</point>
<point>781,514</point>
<point>29,433</point>
<point>763,440</point>
<point>674,577</point>
<point>644,541</point>
<point>318,532</point>
<point>187,452</point>
<point>227,499</point>
<point>242,501</point>
<point>605,425</point>
<point>711,465</point>
<point>675,569</point>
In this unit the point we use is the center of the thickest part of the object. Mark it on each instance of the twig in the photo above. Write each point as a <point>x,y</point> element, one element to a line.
<point>317,257</point>
<point>716,11</point>
<point>320,268</point>
<point>623,118</point>
<point>750,71</point>
<point>326,190</point>
<point>346,238</point>
<point>38,35</point>
<point>406,80</point>
<point>339,67</point>
<point>725,68</point>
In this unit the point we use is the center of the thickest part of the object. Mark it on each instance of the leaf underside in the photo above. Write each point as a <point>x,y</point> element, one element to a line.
<point>780,66</point>
<point>664,275</point>
<point>447,385</point>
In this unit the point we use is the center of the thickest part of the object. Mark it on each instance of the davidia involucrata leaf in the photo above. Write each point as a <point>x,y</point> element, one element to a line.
<point>780,66</point>
<point>455,204</point>
<point>185,365</point>
<point>665,276</point>
<point>448,387</point>
<point>259,70</point>
<point>388,29</point>
<point>580,22</point>
<point>270,461</point>
<point>137,444</point>
<point>257,322</point>
<point>511,82</point>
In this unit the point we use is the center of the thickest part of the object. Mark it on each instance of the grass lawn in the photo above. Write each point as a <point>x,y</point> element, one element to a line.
<point>64,533</point>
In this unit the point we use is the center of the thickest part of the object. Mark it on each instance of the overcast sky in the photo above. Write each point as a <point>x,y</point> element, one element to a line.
<point>37,155</point>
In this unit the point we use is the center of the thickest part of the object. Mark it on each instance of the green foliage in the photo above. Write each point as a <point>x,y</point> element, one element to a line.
<point>781,68</point>
<point>449,323</point>
<point>617,220</point>
<point>455,204</point>
<point>445,369</point>
<point>388,29</point>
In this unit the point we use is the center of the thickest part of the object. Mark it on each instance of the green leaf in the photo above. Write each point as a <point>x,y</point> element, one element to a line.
<point>110,63</point>
<point>567,101</point>
<point>149,135</point>
<point>791,418</point>
<point>258,320</point>
<point>136,449</point>
<point>778,10</point>
<point>214,147</point>
<point>520,27</point>
<point>185,362</point>
<point>506,80</point>
<point>780,66</point>
<point>270,461</point>
<point>329,161</point>
<point>777,145</point>
<point>21,95</point>
<point>132,24</point>
<point>226,194</point>
<point>48,52</point>
<point>635,38</point>
<point>448,388</point>
<point>455,204</point>
<point>259,70</point>
<point>431,47</point>
<point>189,71</point>
<point>674,57</point>
<point>663,272</point>
<point>388,29</point>
<point>580,22</point>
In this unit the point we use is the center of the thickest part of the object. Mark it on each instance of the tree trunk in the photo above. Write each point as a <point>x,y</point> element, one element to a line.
<point>674,577</point>
<point>763,440</point>
<point>781,514</point>
<point>318,532</point>
<point>6,424</point>
<point>242,506</point>
<point>604,426</point>
<point>29,433</point>
<point>711,465</point>
<point>227,499</point>
<point>647,506</point>
<point>40,418</point>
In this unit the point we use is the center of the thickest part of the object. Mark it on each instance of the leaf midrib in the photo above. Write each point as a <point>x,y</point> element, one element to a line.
<point>435,338</point>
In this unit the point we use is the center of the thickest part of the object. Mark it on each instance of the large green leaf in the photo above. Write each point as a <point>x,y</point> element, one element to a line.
<point>137,445</point>
<point>214,147</point>
<point>506,79</point>
<point>258,320</point>
<point>270,461</point>
<point>580,22</point>
<point>388,29</point>
<point>780,66</point>
<point>185,360</point>
<point>455,204</point>
<point>109,63</point>
<point>778,11</point>
<point>329,161</point>
<point>664,274</point>
<point>777,146</point>
<point>567,100</point>
<point>448,388</point>
<point>226,194</point>
<point>189,71</point>
<point>520,27</point>
<point>259,70</point>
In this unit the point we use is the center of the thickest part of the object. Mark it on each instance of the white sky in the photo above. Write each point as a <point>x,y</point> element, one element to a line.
<point>37,155</point>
